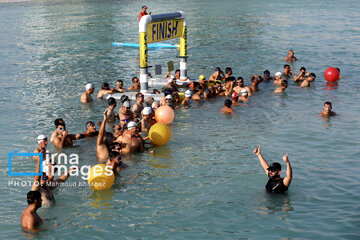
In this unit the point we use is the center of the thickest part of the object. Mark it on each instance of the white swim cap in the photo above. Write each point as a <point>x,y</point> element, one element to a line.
<point>40,138</point>
<point>147,111</point>
<point>131,125</point>
<point>126,104</point>
<point>168,96</point>
<point>155,104</point>
<point>244,92</point>
<point>188,93</point>
<point>278,74</point>
<point>89,86</point>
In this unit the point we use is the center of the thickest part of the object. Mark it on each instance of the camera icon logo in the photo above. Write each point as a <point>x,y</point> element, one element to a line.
<point>17,154</point>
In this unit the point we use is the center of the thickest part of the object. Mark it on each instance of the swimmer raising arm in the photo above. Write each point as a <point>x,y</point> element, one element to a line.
<point>276,183</point>
<point>288,178</point>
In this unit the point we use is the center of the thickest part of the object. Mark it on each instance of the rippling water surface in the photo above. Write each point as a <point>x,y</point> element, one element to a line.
<point>205,183</point>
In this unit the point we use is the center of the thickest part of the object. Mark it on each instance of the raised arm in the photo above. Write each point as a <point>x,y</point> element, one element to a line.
<point>263,162</point>
<point>36,182</point>
<point>287,179</point>
<point>102,132</point>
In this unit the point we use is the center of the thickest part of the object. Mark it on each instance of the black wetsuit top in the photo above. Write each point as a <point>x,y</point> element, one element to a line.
<point>276,186</point>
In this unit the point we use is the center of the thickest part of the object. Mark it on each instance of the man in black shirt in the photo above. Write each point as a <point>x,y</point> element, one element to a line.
<point>275,184</point>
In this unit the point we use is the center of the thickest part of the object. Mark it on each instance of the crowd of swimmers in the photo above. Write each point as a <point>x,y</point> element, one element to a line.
<point>132,121</point>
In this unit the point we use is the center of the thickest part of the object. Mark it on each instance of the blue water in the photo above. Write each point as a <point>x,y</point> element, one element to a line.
<point>205,183</point>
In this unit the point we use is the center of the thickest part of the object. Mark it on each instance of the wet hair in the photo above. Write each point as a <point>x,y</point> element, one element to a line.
<point>124,98</point>
<point>302,68</point>
<point>228,69</point>
<point>120,81</point>
<point>227,103</point>
<point>286,65</point>
<point>58,120</point>
<point>113,146</point>
<point>112,101</point>
<point>114,154</point>
<point>227,79</point>
<point>104,85</point>
<point>313,75</point>
<point>267,71</point>
<point>240,78</point>
<point>138,94</point>
<point>88,124</point>
<point>133,79</point>
<point>327,103</point>
<point>168,91</point>
<point>284,82</point>
<point>32,196</point>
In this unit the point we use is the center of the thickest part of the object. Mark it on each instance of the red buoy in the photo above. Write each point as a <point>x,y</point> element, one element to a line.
<point>331,74</point>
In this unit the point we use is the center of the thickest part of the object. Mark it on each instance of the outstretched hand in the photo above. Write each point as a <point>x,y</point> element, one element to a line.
<point>285,158</point>
<point>105,114</point>
<point>257,150</point>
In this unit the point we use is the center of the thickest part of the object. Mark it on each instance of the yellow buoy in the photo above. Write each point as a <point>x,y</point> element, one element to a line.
<point>101,177</point>
<point>159,134</point>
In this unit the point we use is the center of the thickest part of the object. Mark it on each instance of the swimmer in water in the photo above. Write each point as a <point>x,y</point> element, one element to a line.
<point>211,92</point>
<point>339,72</point>
<point>217,75</point>
<point>229,86</point>
<point>227,107</point>
<point>110,110</point>
<point>120,86</point>
<point>327,110</point>
<point>138,106</point>
<point>169,101</point>
<point>255,81</point>
<point>125,114</point>
<point>186,101</point>
<point>30,220</point>
<point>288,72</point>
<point>235,99</point>
<point>302,76</point>
<point>244,96</point>
<point>308,80</point>
<point>283,86</point>
<point>267,77</point>
<point>290,57</point>
<point>103,141</point>
<point>155,105</point>
<point>219,88</point>
<point>136,84</point>
<point>60,137</point>
<point>278,78</point>
<point>275,184</point>
<point>117,131</point>
<point>115,162</point>
<point>105,89</point>
<point>90,129</point>
<point>200,94</point>
<point>149,101</point>
<point>86,96</point>
<point>240,86</point>
<point>146,121</point>
<point>42,142</point>
<point>228,72</point>
<point>46,183</point>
